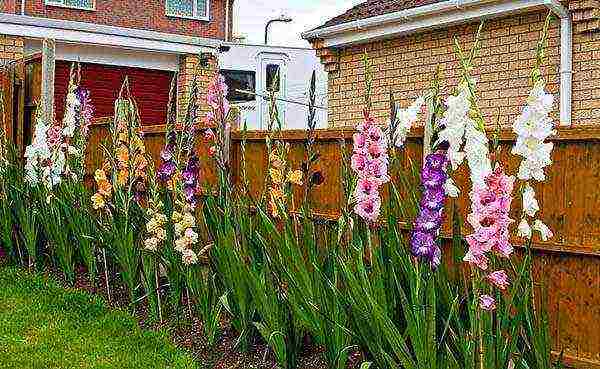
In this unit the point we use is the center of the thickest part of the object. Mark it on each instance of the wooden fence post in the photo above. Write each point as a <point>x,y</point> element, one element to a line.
<point>47,93</point>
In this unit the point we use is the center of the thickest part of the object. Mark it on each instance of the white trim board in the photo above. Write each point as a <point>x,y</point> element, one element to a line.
<point>88,33</point>
<point>109,56</point>
<point>442,20</point>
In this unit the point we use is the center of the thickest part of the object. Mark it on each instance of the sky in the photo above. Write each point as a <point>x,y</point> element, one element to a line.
<point>252,15</point>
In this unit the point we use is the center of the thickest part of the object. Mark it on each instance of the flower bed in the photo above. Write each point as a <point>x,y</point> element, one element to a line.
<point>262,260</point>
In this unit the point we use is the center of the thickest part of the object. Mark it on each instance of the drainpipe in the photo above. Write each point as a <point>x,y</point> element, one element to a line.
<point>22,7</point>
<point>566,61</point>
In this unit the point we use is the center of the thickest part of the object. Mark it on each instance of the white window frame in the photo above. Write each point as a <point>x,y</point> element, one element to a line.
<point>61,4</point>
<point>195,15</point>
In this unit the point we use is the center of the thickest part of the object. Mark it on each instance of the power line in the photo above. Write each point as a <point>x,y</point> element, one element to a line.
<point>265,97</point>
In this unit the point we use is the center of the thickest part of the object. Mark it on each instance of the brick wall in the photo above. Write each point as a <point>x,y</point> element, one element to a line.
<point>189,67</point>
<point>11,48</point>
<point>148,15</point>
<point>406,65</point>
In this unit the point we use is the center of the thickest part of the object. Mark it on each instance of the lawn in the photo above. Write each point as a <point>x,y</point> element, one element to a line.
<point>45,326</point>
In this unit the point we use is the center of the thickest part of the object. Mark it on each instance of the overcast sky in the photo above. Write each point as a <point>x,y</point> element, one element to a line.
<point>252,15</point>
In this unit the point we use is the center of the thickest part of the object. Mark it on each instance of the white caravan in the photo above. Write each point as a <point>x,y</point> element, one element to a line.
<point>253,68</point>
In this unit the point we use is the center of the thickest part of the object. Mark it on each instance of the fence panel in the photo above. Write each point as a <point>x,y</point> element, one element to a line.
<point>568,266</point>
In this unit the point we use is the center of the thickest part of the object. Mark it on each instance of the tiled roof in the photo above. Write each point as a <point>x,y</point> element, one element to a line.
<point>372,8</point>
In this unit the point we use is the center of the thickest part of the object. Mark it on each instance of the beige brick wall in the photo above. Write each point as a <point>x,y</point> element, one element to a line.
<point>11,48</point>
<point>188,67</point>
<point>406,66</point>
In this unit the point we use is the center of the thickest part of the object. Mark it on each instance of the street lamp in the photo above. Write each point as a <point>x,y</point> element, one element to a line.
<point>281,18</point>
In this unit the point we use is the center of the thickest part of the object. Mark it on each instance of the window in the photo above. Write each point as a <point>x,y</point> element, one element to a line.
<point>239,80</point>
<point>76,4</point>
<point>273,77</point>
<point>194,9</point>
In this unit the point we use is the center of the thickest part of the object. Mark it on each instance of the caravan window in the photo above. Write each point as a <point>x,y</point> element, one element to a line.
<point>240,80</point>
<point>272,76</point>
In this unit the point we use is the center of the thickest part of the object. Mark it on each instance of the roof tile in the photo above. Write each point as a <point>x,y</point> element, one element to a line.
<point>372,8</point>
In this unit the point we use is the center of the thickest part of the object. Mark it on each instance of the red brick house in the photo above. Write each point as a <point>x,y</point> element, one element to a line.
<point>407,40</point>
<point>149,41</point>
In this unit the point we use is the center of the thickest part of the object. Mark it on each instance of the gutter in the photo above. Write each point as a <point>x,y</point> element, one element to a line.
<point>89,33</point>
<point>448,13</point>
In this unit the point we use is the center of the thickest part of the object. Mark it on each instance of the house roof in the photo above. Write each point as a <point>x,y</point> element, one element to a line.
<point>372,8</point>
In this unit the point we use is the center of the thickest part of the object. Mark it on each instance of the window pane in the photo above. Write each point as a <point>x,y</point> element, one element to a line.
<point>180,8</point>
<point>201,8</point>
<point>86,4</point>
<point>239,80</point>
<point>273,77</point>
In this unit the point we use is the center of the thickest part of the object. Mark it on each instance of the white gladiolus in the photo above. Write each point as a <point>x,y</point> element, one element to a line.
<point>450,188</point>
<point>524,230</point>
<point>530,203</point>
<point>189,257</point>
<point>455,120</point>
<point>406,118</point>
<point>545,232</point>
<point>458,125</point>
<point>533,127</point>
<point>477,153</point>
<point>37,153</point>
<point>69,120</point>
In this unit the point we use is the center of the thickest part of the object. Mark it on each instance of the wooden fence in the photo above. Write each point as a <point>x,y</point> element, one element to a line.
<point>568,265</point>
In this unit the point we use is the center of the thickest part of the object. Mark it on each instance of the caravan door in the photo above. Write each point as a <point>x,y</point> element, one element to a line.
<point>272,74</point>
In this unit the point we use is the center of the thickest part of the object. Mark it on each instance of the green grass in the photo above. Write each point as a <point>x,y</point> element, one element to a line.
<point>45,326</point>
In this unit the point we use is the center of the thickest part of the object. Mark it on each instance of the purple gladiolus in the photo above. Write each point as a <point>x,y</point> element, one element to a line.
<point>429,221</point>
<point>421,243</point>
<point>190,180</point>
<point>166,154</point>
<point>433,198</point>
<point>166,171</point>
<point>433,178</point>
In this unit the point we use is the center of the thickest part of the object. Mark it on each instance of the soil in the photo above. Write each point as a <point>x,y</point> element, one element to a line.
<point>186,330</point>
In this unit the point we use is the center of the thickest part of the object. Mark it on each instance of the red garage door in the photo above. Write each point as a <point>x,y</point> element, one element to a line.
<point>150,88</point>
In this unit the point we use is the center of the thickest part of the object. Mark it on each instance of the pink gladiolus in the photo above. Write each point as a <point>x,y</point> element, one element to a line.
<point>477,259</point>
<point>216,95</point>
<point>209,135</point>
<point>369,162</point>
<point>490,207</point>
<point>360,140</point>
<point>368,208</point>
<point>487,302</point>
<point>366,187</point>
<point>359,164</point>
<point>499,279</point>
<point>378,169</point>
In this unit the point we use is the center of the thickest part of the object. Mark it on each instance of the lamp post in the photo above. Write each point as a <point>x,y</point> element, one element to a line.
<point>281,18</point>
